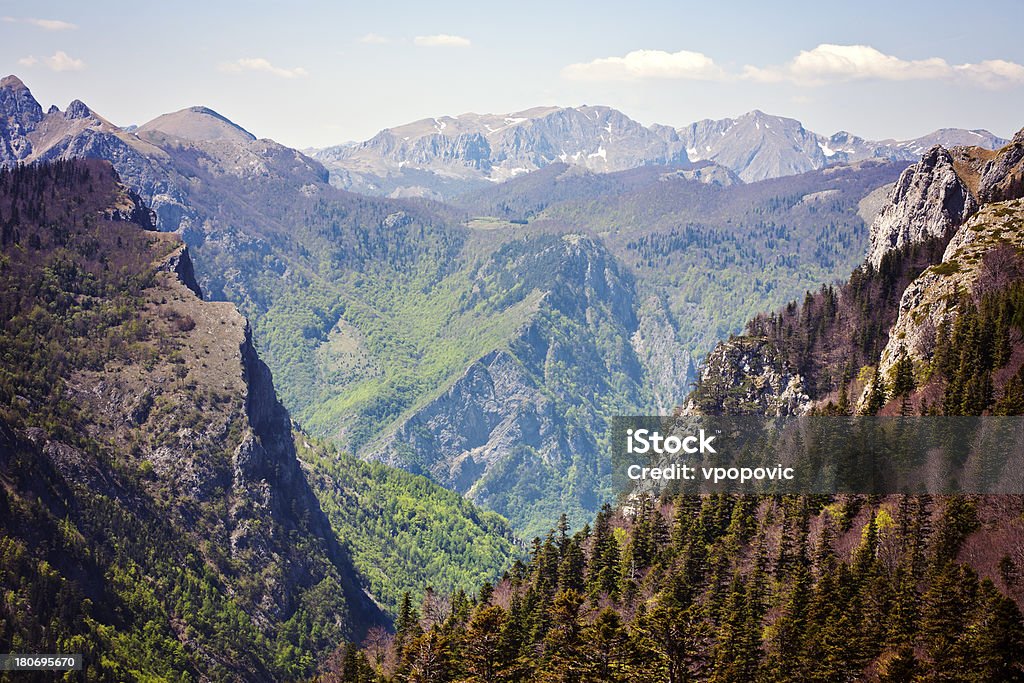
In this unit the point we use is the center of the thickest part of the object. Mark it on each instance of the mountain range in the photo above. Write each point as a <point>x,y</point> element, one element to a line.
<point>443,157</point>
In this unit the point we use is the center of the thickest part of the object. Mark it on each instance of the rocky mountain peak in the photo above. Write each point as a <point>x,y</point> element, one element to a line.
<point>77,110</point>
<point>20,113</point>
<point>1002,177</point>
<point>12,82</point>
<point>945,188</point>
<point>755,145</point>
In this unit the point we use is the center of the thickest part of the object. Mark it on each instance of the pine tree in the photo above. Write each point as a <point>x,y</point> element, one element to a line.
<point>877,395</point>
<point>997,639</point>
<point>429,659</point>
<point>564,659</point>
<point>946,605</point>
<point>903,380</point>
<point>608,646</point>
<point>407,626</point>
<point>572,569</point>
<point>605,557</point>
<point>484,656</point>
<point>738,645</point>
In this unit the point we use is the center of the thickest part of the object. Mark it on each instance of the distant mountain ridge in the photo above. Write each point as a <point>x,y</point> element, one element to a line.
<point>493,147</point>
<point>757,146</point>
<point>443,157</point>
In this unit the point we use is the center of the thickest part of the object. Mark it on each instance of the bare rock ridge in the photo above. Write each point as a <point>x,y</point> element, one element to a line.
<point>180,264</point>
<point>946,187</point>
<point>197,124</point>
<point>474,148</point>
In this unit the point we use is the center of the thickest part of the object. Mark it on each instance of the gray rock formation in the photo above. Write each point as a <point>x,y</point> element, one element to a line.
<point>19,116</point>
<point>929,200</point>
<point>1002,177</point>
<point>667,363</point>
<point>755,146</point>
<point>747,376</point>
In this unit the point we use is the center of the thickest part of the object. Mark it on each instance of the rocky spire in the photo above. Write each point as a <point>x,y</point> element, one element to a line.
<point>19,115</point>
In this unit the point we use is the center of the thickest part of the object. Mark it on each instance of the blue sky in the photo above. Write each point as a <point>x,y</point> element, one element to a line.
<point>318,73</point>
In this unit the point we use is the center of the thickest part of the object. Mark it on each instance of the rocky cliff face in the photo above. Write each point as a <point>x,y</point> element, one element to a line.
<point>978,259</point>
<point>668,365</point>
<point>19,116</point>
<point>945,188</point>
<point>929,200</point>
<point>1001,175</point>
<point>747,376</point>
<point>967,189</point>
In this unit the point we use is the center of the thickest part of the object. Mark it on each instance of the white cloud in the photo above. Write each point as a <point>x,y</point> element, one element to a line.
<point>831,63</point>
<point>992,73</point>
<point>58,61</point>
<point>374,39</point>
<point>441,40</point>
<point>824,64</point>
<point>61,61</point>
<point>259,64</point>
<point>45,24</point>
<point>645,64</point>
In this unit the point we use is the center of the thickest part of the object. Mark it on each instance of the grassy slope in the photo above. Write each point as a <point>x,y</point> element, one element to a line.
<point>404,532</point>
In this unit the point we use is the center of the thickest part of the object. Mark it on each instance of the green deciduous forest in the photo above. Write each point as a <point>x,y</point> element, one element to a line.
<point>406,534</point>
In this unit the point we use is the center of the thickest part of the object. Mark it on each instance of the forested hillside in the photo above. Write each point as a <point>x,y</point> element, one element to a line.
<point>154,514</point>
<point>405,533</point>
<point>735,588</point>
<point>158,514</point>
<point>717,251</point>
